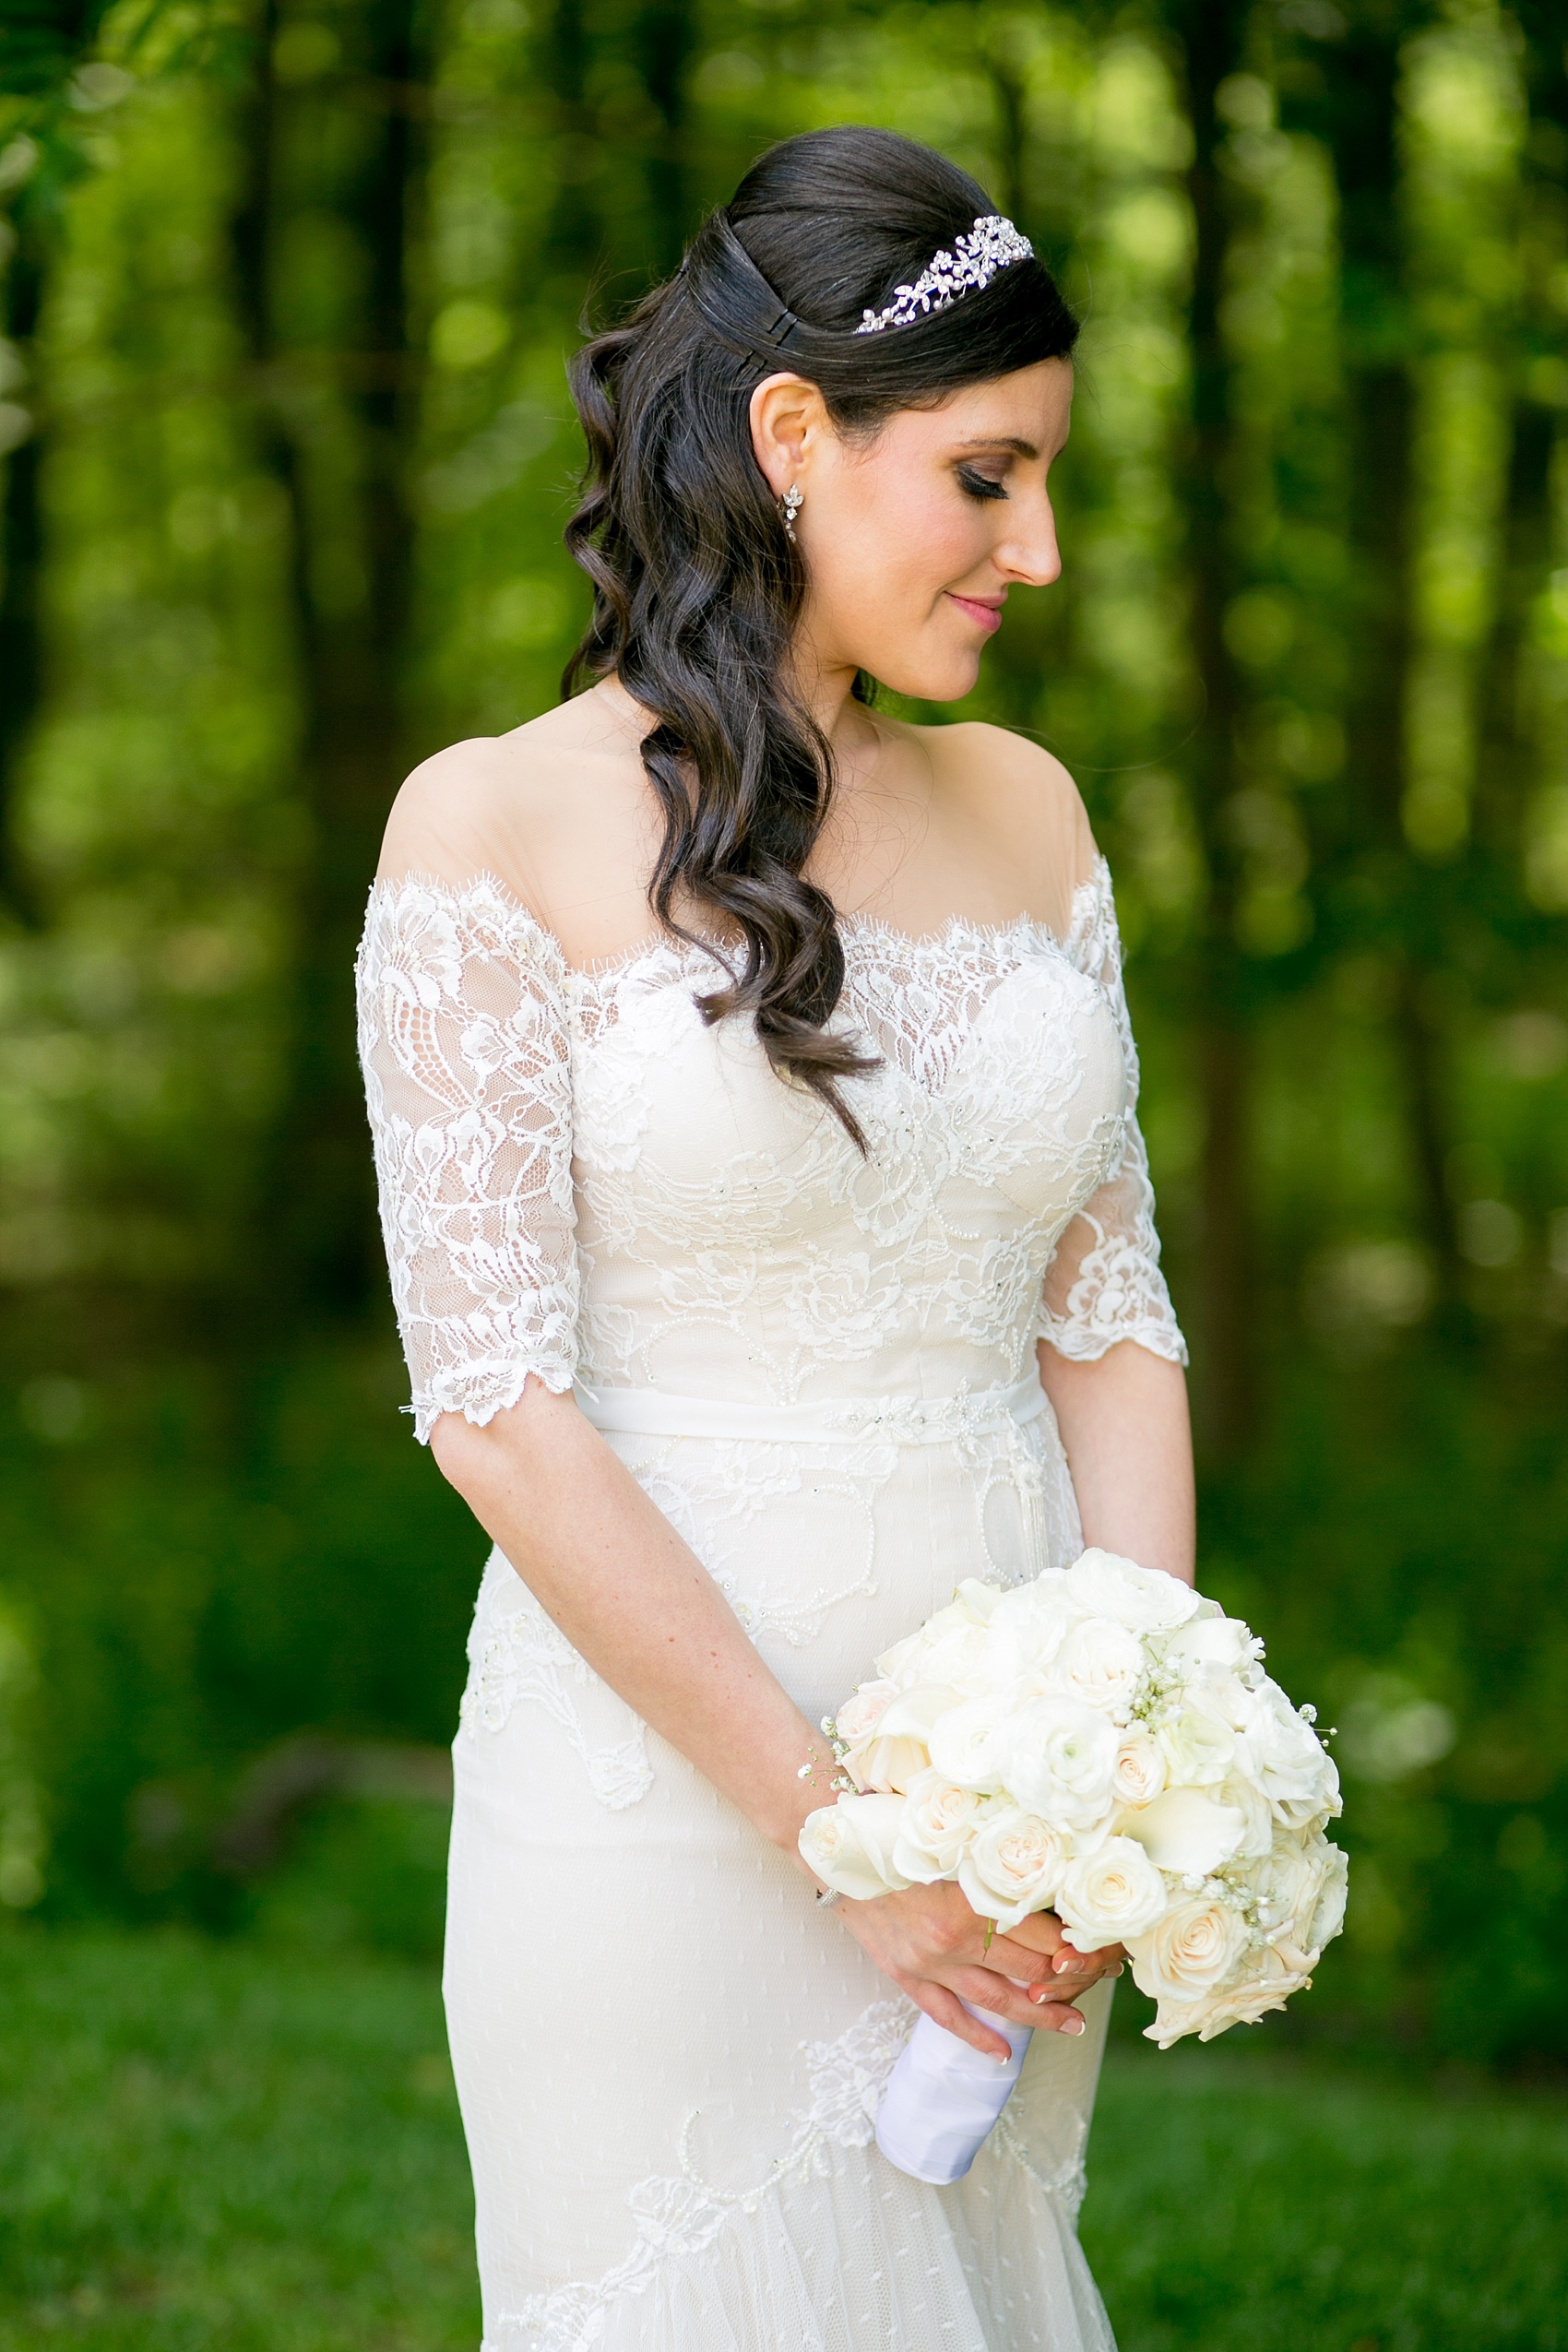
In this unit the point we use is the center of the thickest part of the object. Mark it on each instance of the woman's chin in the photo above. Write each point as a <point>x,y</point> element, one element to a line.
<point>946,676</point>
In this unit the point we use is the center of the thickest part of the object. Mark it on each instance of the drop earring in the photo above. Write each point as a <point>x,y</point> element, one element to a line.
<point>789,506</point>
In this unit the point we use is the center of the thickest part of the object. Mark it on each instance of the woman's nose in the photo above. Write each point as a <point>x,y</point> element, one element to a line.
<point>1030,554</point>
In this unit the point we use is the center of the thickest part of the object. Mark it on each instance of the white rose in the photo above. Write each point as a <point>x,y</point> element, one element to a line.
<point>1013,1866</point>
<point>1059,1758</point>
<point>1199,1750</point>
<point>850,1845</point>
<point>980,1600</point>
<point>1259,1828</point>
<point>1100,1662</point>
<point>948,1648</point>
<point>1026,1629</point>
<point>895,1751</point>
<point>1189,1952</point>
<point>1187,1831</point>
<point>1284,1882</point>
<point>1101,1583</point>
<point>1139,1776</point>
<point>965,1742</point>
<point>1327,1916</point>
<point>938,1820</point>
<point>1223,1698</point>
<point>1110,1894</point>
<point>1222,1641</point>
<point>1292,1766</point>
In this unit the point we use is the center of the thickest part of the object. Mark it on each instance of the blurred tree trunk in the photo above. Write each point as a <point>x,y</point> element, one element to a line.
<point>1211,35</point>
<point>318,1217</point>
<point>1355,111</point>
<point>22,555</point>
<point>664,44</point>
<point>1509,754</point>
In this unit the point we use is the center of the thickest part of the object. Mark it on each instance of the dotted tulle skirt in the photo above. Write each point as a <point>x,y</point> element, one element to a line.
<point>669,2059</point>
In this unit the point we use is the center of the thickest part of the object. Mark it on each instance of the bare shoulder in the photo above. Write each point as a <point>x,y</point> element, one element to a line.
<point>1018,796</point>
<point>450,812</point>
<point>556,810</point>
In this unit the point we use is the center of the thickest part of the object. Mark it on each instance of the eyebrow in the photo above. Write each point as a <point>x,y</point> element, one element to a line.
<point>1002,441</point>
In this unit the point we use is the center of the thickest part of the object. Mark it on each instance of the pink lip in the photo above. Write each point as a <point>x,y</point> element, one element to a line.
<point>985,616</point>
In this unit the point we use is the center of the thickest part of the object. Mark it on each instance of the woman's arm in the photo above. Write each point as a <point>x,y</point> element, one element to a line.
<point>1124,1424</point>
<point>636,1603</point>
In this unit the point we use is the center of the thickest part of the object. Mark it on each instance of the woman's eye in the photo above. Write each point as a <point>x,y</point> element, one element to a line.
<point>981,485</point>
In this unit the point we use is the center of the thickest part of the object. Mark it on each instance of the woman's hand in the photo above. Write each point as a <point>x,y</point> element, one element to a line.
<point>934,1946</point>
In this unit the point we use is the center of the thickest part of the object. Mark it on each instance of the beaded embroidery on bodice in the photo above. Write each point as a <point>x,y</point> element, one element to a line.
<point>581,1178</point>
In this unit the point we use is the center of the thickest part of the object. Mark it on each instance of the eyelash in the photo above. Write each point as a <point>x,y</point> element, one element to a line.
<point>980,485</point>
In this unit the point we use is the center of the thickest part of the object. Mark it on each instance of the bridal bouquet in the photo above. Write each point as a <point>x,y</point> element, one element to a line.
<point>1103,1743</point>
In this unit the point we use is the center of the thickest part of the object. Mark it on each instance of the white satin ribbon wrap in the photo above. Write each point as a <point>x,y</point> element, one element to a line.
<point>943,2097</point>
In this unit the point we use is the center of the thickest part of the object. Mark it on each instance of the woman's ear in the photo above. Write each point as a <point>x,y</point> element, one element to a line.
<point>788,416</point>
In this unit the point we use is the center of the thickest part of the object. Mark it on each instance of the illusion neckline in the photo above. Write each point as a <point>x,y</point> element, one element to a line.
<point>956,933</point>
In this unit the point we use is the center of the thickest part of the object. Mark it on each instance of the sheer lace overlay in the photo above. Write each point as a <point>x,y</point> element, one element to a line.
<point>1008,1069</point>
<point>468,1073</point>
<point>820,1365</point>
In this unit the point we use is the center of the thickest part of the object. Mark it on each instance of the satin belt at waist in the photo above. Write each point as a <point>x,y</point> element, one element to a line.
<point>834,1421</point>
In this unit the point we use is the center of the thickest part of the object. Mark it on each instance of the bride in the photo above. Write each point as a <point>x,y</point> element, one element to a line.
<point>771,1241</point>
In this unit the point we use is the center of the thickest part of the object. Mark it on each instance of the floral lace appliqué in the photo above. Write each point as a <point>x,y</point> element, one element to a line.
<point>683,2215</point>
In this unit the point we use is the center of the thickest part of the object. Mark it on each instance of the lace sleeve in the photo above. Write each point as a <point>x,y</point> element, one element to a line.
<point>1104,1283</point>
<point>464,1048</point>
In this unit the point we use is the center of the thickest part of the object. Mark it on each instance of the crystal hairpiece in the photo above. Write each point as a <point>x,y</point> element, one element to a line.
<point>974,261</point>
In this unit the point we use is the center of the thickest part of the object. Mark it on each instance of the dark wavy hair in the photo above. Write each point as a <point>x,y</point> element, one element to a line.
<point>697,587</point>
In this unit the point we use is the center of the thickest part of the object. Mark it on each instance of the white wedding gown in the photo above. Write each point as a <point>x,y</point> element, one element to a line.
<point>821,1366</point>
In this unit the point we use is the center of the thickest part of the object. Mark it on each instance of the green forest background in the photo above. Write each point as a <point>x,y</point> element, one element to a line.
<point>287,291</point>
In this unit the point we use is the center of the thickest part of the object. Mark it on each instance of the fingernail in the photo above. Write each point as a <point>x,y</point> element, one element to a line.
<point>1073,2025</point>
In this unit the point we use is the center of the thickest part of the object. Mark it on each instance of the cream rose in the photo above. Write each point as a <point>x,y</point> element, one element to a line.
<point>1140,1774</point>
<point>1100,1662</point>
<point>1189,1952</point>
<point>1187,1831</point>
<point>1109,1894</point>
<point>938,1820</point>
<point>1267,1983</point>
<point>1059,1758</point>
<point>1013,1866</point>
<point>1101,1583</point>
<point>850,1845</point>
<point>894,1751</point>
<point>861,1712</point>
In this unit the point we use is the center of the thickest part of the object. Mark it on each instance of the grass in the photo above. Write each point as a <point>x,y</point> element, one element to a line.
<point>1244,2203</point>
<point>237,2148</point>
<point>205,2146</point>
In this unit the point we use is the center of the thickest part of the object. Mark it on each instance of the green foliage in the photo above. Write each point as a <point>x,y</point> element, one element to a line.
<point>288,305</point>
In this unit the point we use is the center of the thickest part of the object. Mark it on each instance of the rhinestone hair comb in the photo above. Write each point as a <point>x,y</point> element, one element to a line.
<point>974,261</point>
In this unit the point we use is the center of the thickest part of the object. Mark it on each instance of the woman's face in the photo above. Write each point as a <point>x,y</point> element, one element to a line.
<point>912,540</point>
